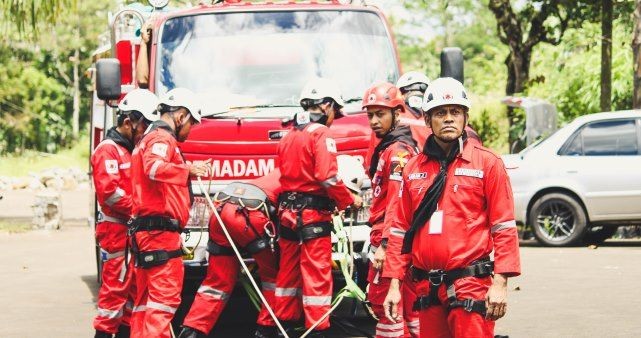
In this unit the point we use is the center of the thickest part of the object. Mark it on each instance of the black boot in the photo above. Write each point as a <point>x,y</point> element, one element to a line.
<point>102,334</point>
<point>124,331</point>
<point>189,332</point>
<point>263,331</point>
<point>290,328</point>
<point>317,334</point>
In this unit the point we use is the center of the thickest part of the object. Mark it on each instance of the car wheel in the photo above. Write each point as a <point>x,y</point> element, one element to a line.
<point>558,220</point>
<point>598,235</point>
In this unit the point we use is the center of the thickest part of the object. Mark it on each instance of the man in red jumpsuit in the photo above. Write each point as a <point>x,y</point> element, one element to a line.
<point>383,103</point>
<point>456,208</point>
<point>110,165</point>
<point>246,210</point>
<point>311,193</point>
<point>161,202</point>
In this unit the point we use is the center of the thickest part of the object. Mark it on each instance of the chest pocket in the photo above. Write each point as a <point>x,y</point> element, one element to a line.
<point>467,196</point>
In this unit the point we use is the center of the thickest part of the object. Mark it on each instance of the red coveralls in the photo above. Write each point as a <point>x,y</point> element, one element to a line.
<point>110,165</point>
<point>160,188</point>
<point>385,185</point>
<point>223,270</point>
<point>308,165</point>
<point>478,218</point>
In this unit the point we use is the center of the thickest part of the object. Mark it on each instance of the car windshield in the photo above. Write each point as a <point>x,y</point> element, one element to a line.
<point>263,59</point>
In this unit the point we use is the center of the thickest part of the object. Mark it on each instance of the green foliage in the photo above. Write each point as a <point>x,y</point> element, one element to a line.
<point>569,75</point>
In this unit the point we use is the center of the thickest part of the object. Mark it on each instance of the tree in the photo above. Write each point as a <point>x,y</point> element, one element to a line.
<point>31,13</point>
<point>606,55</point>
<point>636,56</point>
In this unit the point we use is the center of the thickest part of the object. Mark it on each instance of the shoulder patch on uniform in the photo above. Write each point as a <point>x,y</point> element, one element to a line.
<point>302,118</point>
<point>111,166</point>
<point>331,145</point>
<point>159,149</point>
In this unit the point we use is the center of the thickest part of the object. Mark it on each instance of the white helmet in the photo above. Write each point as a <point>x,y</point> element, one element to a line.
<point>351,172</point>
<point>445,91</point>
<point>318,89</point>
<point>141,100</point>
<point>183,97</point>
<point>411,78</point>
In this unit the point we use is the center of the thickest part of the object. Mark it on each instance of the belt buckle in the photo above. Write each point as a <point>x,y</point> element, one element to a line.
<point>468,304</point>
<point>436,275</point>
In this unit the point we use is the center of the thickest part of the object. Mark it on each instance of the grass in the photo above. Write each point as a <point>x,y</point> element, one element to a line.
<point>14,227</point>
<point>33,161</point>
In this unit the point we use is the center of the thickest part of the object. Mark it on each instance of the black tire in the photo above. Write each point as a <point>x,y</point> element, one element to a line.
<point>558,219</point>
<point>598,235</point>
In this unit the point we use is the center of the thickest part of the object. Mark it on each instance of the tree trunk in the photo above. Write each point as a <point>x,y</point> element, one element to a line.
<point>606,55</point>
<point>636,52</point>
<point>518,75</point>
<point>75,119</point>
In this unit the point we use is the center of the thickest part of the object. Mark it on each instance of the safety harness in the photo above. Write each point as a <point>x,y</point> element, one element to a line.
<point>481,268</point>
<point>149,259</point>
<point>247,197</point>
<point>297,202</point>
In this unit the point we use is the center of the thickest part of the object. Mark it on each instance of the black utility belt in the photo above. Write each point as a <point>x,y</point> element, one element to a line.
<point>307,232</point>
<point>154,223</point>
<point>255,246</point>
<point>149,259</point>
<point>298,201</point>
<point>480,268</point>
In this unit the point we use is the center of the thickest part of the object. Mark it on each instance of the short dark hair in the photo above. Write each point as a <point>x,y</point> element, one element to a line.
<point>133,115</point>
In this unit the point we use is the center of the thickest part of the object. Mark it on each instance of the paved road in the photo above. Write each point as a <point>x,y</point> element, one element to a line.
<point>48,289</point>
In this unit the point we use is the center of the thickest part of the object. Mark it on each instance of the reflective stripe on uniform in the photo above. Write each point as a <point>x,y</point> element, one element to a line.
<point>503,226</point>
<point>109,142</point>
<point>139,308</point>
<point>414,327</point>
<point>105,218</point>
<point>268,286</point>
<point>287,292</point>
<point>330,182</point>
<point>111,314</point>
<point>125,165</point>
<point>397,232</point>
<point>115,197</point>
<point>154,168</point>
<point>161,307</point>
<point>390,327</point>
<point>389,334</point>
<point>215,293</point>
<point>317,300</point>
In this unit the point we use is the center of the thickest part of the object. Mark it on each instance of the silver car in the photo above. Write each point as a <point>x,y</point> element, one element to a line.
<point>581,182</point>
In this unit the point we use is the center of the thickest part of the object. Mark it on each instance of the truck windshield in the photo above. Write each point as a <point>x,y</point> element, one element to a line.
<point>263,59</point>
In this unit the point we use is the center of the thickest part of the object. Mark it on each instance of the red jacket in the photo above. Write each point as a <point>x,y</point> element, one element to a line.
<point>160,176</point>
<point>385,185</point>
<point>308,164</point>
<point>110,165</point>
<point>478,215</point>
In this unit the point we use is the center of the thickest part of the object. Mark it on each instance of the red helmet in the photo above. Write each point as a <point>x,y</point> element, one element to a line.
<point>383,95</point>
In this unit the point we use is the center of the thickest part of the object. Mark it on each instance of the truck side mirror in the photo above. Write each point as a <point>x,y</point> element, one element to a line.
<point>108,79</point>
<point>452,63</point>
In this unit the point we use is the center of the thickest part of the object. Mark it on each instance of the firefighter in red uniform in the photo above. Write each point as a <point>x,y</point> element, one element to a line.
<point>110,164</point>
<point>383,103</point>
<point>247,210</point>
<point>311,193</point>
<point>161,203</point>
<point>456,208</point>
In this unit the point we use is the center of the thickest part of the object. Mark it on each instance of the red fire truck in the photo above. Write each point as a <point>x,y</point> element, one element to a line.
<point>248,61</point>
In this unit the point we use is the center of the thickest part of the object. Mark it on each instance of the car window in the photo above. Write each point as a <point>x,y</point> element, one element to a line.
<point>607,138</point>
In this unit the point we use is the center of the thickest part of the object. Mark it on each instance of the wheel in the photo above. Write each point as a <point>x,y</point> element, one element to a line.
<point>558,219</point>
<point>598,235</point>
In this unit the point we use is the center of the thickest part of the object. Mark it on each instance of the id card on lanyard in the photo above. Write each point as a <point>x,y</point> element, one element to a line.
<point>436,222</point>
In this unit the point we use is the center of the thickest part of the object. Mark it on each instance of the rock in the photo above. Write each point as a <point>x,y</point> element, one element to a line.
<point>517,288</point>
